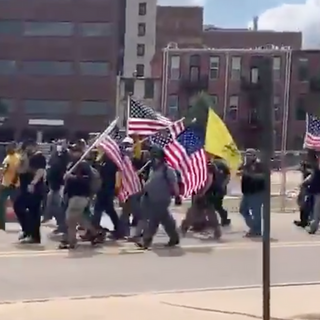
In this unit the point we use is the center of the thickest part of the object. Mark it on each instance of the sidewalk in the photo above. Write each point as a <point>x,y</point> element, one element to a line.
<point>287,303</point>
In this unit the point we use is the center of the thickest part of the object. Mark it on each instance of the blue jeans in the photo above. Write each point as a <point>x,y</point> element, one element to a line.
<point>251,210</point>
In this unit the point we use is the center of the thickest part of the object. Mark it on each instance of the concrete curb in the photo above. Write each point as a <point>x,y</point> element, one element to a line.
<point>158,293</point>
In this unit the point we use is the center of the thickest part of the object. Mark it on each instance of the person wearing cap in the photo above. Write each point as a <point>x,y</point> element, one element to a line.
<point>156,198</point>
<point>252,186</point>
<point>27,204</point>
<point>10,180</point>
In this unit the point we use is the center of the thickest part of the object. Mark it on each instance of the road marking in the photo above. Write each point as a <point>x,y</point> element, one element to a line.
<point>118,251</point>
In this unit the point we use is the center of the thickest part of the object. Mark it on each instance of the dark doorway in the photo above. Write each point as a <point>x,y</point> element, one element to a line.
<point>52,134</point>
<point>28,134</point>
<point>6,135</point>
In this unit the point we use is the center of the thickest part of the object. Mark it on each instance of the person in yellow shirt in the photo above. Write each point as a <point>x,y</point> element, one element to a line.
<point>10,180</point>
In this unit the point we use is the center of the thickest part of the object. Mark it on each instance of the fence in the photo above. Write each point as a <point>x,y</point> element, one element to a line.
<point>285,180</point>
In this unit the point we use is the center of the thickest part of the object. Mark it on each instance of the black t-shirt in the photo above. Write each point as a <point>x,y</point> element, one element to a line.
<point>250,183</point>
<point>58,166</point>
<point>36,161</point>
<point>107,170</point>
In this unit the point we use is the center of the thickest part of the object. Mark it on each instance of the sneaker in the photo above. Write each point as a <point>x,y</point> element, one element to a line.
<point>30,240</point>
<point>226,223</point>
<point>173,243</point>
<point>66,246</point>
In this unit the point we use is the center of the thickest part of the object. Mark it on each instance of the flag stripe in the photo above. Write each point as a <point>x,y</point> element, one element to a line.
<point>130,183</point>
<point>143,120</point>
<point>312,136</point>
<point>193,168</point>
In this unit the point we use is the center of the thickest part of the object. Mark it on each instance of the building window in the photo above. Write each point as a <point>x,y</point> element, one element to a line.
<point>300,113</point>
<point>42,68</point>
<point>174,72</point>
<point>303,69</point>
<point>94,68</point>
<point>46,107</point>
<point>195,60</point>
<point>142,8</point>
<point>214,100</point>
<point>253,117</point>
<point>10,27</point>
<point>298,143</point>
<point>141,29</point>
<point>276,68</point>
<point>48,29</point>
<point>95,29</point>
<point>214,67</point>
<point>235,68</point>
<point>148,89</point>
<point>8,67</point>
<point>276,108</point>
<point>128,86</point>
<point>233,108</point>
<point>254,75</point>
<point>173,106</point>
<point>141,50</point>
<point>93,108</point>
<point>140,70</point>
<point>6,106</point>
<point>194,73</point>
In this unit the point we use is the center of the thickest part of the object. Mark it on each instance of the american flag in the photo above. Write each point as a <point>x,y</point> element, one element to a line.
<point>185,153</point>
<point>143,120</point>
<point>130,181</point>
<point>312,136</point>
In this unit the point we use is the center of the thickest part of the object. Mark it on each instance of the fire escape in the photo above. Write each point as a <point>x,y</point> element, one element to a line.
<point>313,96</point>
<point>251,126</point>
<point>194,81</point>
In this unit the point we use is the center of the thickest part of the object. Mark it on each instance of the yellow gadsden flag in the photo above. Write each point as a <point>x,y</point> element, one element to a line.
<point>219,141</point>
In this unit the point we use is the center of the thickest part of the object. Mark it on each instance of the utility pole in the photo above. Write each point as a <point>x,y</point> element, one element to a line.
<point>262,66</point>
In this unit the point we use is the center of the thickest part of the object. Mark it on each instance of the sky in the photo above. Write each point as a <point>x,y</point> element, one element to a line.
<point>280,15</point>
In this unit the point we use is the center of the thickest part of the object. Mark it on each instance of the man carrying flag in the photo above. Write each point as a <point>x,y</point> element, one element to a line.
<point>117,152</point>
<point>184,152</point>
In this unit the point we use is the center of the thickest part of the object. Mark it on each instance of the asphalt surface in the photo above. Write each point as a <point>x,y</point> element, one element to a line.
<point>42,272</point>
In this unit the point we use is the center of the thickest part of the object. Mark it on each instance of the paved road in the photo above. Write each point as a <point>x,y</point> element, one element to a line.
<point>43,272</point>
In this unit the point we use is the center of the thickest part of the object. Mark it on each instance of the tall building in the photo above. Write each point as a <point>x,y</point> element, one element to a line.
<point>58,65</point>
<point>68,66</point>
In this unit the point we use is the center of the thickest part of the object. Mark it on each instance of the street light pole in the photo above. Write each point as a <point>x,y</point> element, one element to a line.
<point>264,68</point>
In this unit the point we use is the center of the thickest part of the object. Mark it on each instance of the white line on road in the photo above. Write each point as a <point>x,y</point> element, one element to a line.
<point>132,250</point>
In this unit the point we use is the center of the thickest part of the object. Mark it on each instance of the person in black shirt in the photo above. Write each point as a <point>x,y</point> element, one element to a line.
<point>219,188</point>
<point>57,168</point>
<point>313,183</point>
<point>253,186</point>
<point>78,192</point>
<point>305,198</point>
<point>27,205</point>
<point>105,196</point>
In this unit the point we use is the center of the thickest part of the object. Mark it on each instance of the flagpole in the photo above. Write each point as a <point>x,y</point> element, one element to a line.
<point>128,112</point>
<point>96,141</point>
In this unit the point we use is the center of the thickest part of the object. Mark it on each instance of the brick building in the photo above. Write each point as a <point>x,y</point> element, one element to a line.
<point>220,73</point>
<point>63,71</point>
<point>58,65</point>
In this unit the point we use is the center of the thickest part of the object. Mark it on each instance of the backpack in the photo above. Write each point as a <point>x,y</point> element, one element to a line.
<point>180,184</point>
<point>96,182</point>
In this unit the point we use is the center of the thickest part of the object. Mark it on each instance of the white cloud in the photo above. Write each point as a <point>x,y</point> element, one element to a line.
<point>181,2</point>
<point>295,17</point>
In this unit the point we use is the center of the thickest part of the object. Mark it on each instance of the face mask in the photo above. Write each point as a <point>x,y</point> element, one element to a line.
<point>59,148</point>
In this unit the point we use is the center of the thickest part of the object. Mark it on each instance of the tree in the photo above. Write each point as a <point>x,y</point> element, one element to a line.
<point>198,111</point>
